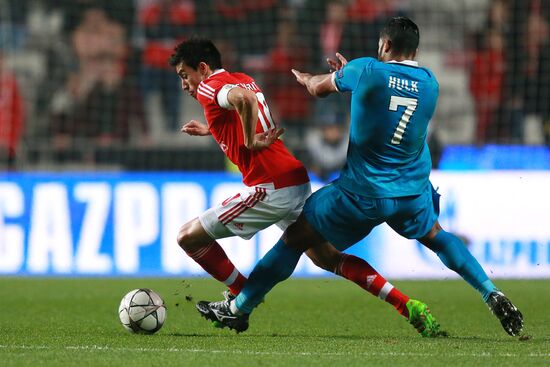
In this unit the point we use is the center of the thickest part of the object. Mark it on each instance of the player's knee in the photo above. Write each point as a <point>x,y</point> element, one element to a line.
<point>185,237</point>
<point>429,239</point>
<point>192,237</point>
<point>430,236</point>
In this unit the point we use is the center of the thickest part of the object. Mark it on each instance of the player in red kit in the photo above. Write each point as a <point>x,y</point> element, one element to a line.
<point>276,183</point>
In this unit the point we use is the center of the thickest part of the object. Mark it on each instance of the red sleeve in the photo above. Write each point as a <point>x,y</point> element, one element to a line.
<point>207,92</point>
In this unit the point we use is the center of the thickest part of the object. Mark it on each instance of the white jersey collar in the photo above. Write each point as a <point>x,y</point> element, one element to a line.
<point>404,62</point>
<point>218,71</point>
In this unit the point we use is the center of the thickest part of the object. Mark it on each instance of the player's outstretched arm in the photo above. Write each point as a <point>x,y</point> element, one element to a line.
<point>317,85</point>
<point>195,128</point>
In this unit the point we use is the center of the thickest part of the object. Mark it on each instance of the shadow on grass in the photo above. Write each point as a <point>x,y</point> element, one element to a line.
<point>525,338</point>
<point>375,338</point>
<point>301,337</point>
<point>274,335</point>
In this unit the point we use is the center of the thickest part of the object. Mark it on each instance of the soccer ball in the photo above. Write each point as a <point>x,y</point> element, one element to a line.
<point>142,311</point>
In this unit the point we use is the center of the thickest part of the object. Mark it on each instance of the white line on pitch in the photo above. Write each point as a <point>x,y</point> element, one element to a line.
<point>251,352</point>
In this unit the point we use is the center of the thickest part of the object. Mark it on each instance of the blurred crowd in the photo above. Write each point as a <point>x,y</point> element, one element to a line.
<point>510,72</point>
<point>83,80</point>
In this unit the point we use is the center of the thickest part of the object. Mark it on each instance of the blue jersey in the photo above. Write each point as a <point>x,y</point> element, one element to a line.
<point>391,106</point>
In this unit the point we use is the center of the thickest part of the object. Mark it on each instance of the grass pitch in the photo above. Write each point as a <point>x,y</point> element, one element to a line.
<point>303,322</point>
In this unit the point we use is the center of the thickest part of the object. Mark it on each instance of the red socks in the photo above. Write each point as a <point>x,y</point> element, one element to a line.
<point>215,262</point>
<point>360,272</point>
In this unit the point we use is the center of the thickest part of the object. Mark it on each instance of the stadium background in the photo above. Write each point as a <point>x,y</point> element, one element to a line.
<point>96,177</point>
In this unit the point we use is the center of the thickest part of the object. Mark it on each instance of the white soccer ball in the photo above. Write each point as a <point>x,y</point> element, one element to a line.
<point>142,311</point>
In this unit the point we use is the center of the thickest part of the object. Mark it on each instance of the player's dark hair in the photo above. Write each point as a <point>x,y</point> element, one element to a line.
<point>403,34</point>
<point>195,50</point>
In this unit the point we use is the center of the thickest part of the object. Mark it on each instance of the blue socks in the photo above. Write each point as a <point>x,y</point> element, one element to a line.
<point>279,263</point>
<point>276,265</point>
<point>454,254</point>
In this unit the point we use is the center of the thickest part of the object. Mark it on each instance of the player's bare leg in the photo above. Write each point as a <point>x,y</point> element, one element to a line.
<point>208,253</point>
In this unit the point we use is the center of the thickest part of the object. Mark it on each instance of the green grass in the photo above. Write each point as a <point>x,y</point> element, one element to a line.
<point>304,322</point>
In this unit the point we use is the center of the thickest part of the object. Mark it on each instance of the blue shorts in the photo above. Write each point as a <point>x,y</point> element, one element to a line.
<point>344,218</point>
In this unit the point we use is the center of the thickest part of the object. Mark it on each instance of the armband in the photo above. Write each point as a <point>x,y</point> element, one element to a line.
<point>222,98</point>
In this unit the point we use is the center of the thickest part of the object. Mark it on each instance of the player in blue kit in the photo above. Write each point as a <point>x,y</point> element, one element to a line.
<point>385,179</point>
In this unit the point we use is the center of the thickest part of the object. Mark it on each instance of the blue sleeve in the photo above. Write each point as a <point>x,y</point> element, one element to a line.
<point>347,78</point>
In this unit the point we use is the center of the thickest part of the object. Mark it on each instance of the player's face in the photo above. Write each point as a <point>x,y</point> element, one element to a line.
<point>190,78</point>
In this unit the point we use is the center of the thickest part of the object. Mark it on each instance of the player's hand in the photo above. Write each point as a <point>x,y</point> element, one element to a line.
<point>195,128</point>
<point>264,139</point>
<point>302,78</point>
<point>336,64</point>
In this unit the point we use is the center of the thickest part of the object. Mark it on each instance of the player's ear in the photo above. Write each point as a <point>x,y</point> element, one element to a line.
<point>387,45</point>
<point>203,68</point>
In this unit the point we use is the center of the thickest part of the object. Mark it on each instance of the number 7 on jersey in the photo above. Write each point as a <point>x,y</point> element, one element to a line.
<point>411,104</point>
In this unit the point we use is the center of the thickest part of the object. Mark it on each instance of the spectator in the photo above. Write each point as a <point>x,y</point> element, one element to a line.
<point>99,101</point>
<point>327,143</point>
<point>498,76</point>
<point>12,108</point>
<point>12,115</point>
<point>486,82</point>
<point>368,16</point>
<point>526,26</point>
<point>289,103</point>
<point>164,22</point>
<point>537,70</point>
<point>249,24</point>
<point>511,16</point>
<point>120,11</point>
<point>329,33</point>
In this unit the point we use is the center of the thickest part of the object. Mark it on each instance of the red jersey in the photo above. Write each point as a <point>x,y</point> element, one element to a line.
<point>273,164</point>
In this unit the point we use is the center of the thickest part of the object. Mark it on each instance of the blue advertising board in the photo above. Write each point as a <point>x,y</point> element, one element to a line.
<point>125,224</point>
